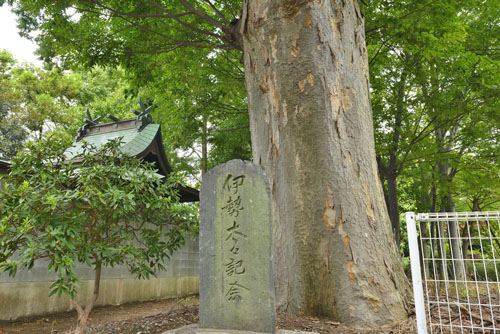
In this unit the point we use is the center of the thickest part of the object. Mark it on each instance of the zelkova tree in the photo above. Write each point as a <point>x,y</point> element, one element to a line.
<point>308,93</point>
<point>110,209</point>
<point>306,75</point>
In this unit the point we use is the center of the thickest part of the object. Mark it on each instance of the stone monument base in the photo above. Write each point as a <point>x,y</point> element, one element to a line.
<point>194,329</point>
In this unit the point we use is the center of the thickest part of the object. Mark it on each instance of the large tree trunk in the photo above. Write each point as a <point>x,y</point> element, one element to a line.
<point>392,190</point>
<point>204,145</point>
<point>311,126</point>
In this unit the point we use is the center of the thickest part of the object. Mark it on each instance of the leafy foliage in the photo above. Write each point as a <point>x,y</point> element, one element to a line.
<point>200,102</point>
<point>12,133</point>
<point>434,71</point>
<point>36,102</point>
<point>106,91</point>
<point>107,209</point>
<point>183,55</point>
<point>48,98</point>
<point>121,32</point>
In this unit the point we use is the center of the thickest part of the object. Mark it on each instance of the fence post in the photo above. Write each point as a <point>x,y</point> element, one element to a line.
<point>418,292</point>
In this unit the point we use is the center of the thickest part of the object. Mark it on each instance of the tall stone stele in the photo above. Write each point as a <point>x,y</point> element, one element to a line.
<point>236,270</point>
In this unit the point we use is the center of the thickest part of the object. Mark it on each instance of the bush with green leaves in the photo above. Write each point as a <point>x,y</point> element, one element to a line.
<point>102,208</point>
<point>482,270</point>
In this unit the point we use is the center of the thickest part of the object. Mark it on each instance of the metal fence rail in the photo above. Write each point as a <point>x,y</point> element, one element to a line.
<point>455,271</point>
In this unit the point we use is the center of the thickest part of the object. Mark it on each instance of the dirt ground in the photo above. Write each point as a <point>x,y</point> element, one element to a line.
<point>158,316</point>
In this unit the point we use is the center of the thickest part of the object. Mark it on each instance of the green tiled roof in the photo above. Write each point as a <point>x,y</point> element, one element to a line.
<point>139,137</point>
<point>134,142</point>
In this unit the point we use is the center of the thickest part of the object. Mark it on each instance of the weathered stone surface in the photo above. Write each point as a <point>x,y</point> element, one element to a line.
<point>236,277</point>
<point>194,329</point>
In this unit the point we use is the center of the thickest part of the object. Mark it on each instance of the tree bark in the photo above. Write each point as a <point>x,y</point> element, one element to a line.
<point>434,226</point>
<point>391,171</point>
<point>392,190</point>
<point>448,204</point>
<point>453,237</point>
<point>311,126</point>
<point>83,314</point>
<point>390,174</point>
<point>423,239</point>
<point>382,180</point>
<point>426,202</point>
<point>204,145</point>
<point>467,231</point>
<point>443,267</point>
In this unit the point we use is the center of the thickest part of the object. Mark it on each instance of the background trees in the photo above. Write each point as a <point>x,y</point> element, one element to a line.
<point>12,133</point>
<point>36,102</point>
<point>133,33</point>
<point>434,70</point>
<point>200,102</point>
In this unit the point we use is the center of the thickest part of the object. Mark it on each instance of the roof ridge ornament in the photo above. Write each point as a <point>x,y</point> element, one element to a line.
<point>144,117</point>
<point>113,118</point>
<point>89,121</point>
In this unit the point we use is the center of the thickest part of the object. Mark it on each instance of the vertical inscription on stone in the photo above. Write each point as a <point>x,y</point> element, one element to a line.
<point>236,285</point>
<point>232,259</point>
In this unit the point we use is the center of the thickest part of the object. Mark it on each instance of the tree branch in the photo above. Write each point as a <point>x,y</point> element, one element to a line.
<point>229,129</point>
<point>376,54</point>
<point>217,11</point>
<point>402,17</point>
<point>205,17</point>
<point>168,16</point>
<point>191,27</point>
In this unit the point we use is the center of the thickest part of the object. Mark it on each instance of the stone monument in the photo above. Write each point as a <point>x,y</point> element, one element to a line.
<point>236,274</point>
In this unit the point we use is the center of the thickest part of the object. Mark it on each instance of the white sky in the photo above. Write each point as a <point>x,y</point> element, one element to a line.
<point>22,49</point>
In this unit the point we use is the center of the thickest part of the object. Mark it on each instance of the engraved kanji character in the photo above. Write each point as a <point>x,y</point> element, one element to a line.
<point>233,206</point>
<point>234,231</point>
<point>234,291</point>
<point>234,267</point>
<point>235,249</point>
<point>234,183</point>
<point>234,235</point>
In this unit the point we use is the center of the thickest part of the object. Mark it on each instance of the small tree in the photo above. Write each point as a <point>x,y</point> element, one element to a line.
<point>107,210</point>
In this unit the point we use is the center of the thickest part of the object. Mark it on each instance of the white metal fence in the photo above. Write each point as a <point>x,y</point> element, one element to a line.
<point>455,266</point>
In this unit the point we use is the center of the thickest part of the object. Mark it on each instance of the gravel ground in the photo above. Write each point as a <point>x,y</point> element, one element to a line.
<point>159,316</point>
<point>154,324</point>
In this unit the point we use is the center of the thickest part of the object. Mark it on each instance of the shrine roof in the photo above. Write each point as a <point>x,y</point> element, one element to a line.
<point>134,142</point>
<point>140,137</point>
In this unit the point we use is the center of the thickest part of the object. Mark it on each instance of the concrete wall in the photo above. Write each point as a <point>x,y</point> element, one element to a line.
<point>27,293</point>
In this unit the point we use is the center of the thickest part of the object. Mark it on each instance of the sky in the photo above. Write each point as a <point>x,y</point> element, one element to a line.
<point>22,49</point>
